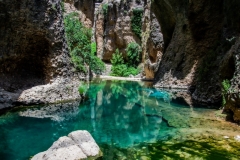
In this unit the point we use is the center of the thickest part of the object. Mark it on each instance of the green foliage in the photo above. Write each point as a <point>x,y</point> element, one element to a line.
<point>117,88</point>
<point>136,22</point>
<point>97,64</point>
<point>117,58</point>
<point>131,71</point>
<point>82,89</point>
<point>120,68</point>
<point>62,6</point>
<point>105,9</point>
<point>96,86</point>
<point>123,70</point>
<point>93,48</point>
<point>82,51</point>
<point>225,87</point>
<point>133,54</point>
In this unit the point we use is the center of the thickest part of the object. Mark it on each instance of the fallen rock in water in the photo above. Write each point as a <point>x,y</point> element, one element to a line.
<point>77,145</point>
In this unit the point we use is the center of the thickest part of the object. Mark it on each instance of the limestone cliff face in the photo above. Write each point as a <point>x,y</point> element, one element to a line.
<point>192,44</point>
<point>201,47</point>
<point>33,52</point>
<point>111,24</point>
<point>85,8</point>
<point>232,106</point>
<point>189,44</point>
<point>113,31</point>
<point>152,42</point>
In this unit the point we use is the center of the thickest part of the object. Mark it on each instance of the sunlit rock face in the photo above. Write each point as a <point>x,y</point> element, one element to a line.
<point>114,27</point>
<point>111,20</point>
<point>77,145</point>
<point>85,8</point>
<point>152,42</point>
<point>113,31</point>
<point>33,49</point>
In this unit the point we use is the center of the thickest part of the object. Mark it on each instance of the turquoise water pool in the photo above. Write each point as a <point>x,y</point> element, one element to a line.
<point>124,118</point>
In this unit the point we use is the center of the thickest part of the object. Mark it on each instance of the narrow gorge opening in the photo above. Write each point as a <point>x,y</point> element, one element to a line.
<point>27,67</point>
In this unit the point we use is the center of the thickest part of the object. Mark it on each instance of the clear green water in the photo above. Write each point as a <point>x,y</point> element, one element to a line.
<point>125,119</point>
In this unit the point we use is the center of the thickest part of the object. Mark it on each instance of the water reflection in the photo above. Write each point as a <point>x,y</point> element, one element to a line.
<point>116,113</point>
<point>119,114</point>
<point>125,118</point>
<point>56,112</point>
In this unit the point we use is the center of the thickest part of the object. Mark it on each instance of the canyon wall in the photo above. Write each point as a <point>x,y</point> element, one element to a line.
<point>35,65</point>
<point>190,44</point>
<point>186,44</point>
<point>201,48</point>
<point>113,31</point>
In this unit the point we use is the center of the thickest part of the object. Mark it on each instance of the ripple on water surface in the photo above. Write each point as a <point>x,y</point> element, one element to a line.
<point>127,119</point>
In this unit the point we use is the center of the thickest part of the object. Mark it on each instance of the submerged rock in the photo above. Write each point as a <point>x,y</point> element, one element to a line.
<point>78,145</point>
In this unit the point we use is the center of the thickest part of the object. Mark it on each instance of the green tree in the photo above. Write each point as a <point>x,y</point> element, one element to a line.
<point>136,22</point>
<point>82,51</point>
<point>117,58</point>
<point>133,54</point>
<point>120,68</point>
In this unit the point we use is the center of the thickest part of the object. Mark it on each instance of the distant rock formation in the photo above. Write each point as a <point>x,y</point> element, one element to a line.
<point>77,145</point>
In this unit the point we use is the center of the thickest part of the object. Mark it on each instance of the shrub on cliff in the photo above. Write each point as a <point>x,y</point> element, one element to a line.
<point>82,89</point>
<point>82,51</point>
<point>120,68</point>
<point>225,87</point>
<point>117,58</point>
<point>136,22</point>
<point>133,54</point>
<point>105,10</point>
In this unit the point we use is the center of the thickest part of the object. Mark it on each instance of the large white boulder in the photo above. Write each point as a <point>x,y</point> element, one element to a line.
<point>78,145</point>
